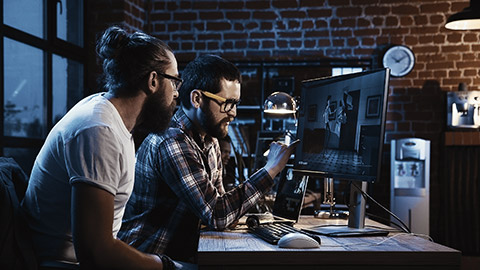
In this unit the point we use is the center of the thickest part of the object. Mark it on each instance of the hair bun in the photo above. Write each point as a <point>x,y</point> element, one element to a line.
<point>111,43</point>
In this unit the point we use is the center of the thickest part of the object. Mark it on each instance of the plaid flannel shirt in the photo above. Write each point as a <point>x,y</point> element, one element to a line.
<point>178,183</point>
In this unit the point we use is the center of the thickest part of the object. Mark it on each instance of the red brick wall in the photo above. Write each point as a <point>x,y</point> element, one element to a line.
<point>296,30</point>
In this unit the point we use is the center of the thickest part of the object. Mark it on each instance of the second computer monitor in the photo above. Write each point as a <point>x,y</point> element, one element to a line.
<point>341,125</point>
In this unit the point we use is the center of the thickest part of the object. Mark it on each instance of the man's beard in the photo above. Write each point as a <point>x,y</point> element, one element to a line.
<point>207,121</point>
<point>155,116</point>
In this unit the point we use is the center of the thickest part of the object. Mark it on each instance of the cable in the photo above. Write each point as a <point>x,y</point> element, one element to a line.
<point>404,227</point>
<point>386,220</point>
<point>388,238</point>
<point>424,236</point>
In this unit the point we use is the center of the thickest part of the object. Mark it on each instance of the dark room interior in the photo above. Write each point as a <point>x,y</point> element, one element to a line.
<point>49,63</point>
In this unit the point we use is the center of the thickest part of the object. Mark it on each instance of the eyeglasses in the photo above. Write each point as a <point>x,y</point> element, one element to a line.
<point>226,105</point>
<point>176,81</point>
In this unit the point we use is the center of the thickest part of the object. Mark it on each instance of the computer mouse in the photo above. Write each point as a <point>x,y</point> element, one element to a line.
<point>297,240</point>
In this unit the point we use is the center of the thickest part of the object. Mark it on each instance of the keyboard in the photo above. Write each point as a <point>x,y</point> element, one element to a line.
<point>272,232</point>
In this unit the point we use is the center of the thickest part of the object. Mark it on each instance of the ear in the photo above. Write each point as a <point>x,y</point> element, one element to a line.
<point>152,84</point>
<point>196,98</point>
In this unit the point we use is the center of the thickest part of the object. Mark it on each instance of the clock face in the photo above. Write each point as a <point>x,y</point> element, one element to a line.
<point>399,59</point>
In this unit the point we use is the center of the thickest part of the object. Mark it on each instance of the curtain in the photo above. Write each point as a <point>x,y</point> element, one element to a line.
<point>459,212</point>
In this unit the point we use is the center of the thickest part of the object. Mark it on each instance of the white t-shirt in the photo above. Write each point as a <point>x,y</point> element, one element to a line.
<point>91,145</point>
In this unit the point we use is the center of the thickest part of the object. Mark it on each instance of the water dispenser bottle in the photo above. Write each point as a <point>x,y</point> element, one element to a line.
<point>410,183</point>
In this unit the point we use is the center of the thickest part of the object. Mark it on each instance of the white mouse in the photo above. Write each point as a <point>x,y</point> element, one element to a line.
<point>297,240</point>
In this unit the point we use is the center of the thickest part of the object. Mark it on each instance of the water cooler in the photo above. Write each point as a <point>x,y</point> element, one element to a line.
<point>410,183</point>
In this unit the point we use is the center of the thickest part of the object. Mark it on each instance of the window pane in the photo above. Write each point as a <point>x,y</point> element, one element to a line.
<point>345,70</point>
<point>23,156</point>
<point>24,15</point>
<point>67,85</point>
<point>23,96</point>
<point>70,21</point>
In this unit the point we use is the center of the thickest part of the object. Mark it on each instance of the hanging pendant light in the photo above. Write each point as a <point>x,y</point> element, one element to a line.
<point>467,19</point>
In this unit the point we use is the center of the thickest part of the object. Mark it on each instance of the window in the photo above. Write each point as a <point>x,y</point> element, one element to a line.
<point>25,16</point>
<point>23,95</point>
<point>43,71</point>
<point>345,70</point>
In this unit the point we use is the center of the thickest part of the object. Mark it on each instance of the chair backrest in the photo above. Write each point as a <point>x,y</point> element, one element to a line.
<point>16,250</point>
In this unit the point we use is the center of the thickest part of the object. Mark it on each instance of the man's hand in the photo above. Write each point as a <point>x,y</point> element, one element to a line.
<point>278,156</point>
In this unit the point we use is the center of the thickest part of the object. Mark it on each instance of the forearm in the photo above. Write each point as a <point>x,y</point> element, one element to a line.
<point>273,169</point>
<point>233,204</point>
<point>118,255</point>
<point>95,246</point>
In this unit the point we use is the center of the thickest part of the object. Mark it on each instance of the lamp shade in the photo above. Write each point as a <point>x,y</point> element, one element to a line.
<point>467,19</point>
<point>280,103</point>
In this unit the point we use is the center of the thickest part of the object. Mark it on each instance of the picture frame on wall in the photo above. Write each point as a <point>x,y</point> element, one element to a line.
<point>373,107</point>
<point>312,113</point>
<point>333,108</point>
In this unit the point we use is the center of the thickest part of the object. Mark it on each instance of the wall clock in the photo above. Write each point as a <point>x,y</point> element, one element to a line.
<point>399,59</point>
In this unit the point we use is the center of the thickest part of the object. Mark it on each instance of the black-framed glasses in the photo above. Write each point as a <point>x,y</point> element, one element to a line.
<point>226,105</point>
<point>176,81</point>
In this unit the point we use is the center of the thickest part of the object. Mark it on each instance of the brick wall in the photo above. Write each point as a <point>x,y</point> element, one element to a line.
<point>243,30</point>
<point>100,14</point>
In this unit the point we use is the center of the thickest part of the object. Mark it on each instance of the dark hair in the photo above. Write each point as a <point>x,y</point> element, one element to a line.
<point>205,73</point>
<point>129,58</point>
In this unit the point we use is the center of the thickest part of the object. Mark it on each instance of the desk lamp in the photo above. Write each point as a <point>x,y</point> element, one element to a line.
<point>281,105</point>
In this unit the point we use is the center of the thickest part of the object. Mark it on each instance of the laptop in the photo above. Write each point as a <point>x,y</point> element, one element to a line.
<point>290,194</point>
<point>288,202</point>
<point>286,210</point>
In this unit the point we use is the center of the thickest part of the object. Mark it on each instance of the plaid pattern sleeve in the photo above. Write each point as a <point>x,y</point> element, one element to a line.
<point>177,184</point>
<point>196,178</point>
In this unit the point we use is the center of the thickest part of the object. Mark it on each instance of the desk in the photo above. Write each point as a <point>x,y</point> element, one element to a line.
<point>238,249</point>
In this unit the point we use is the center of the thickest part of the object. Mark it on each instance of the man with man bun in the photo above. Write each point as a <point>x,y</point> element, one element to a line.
<point>84,174</point>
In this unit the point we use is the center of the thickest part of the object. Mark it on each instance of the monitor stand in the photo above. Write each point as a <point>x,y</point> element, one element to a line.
<point>329,199</point>
<point>356,219</point>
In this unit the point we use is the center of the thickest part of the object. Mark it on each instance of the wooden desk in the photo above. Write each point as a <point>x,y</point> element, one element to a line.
<point>238,249</point>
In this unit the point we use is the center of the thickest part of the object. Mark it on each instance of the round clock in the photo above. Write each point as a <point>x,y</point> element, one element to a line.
<point>399,59</point>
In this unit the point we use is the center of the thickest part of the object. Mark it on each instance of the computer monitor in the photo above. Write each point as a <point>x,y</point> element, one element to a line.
<point>341,129</point>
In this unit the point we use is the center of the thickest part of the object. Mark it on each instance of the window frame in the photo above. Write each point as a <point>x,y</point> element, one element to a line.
<point>50,45</point>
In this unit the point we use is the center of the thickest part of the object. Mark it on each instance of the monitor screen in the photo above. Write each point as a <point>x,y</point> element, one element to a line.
<point>341,125</point>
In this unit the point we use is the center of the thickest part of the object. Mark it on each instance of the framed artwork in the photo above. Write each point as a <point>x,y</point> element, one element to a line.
<point>373,107</point>
<point>333,108</point>
<point>312,113</point>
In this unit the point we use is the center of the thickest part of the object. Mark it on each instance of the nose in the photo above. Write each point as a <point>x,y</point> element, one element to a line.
<point>175,93</point>
<point>233,112</point>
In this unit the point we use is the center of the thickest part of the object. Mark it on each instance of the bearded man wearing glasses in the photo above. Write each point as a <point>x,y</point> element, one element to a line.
<point>178,176</point>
